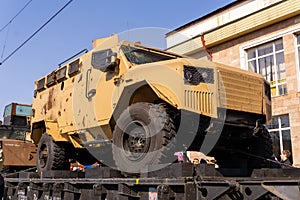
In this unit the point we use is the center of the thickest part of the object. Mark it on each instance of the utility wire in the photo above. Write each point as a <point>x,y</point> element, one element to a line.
<point>15,16</point>
<point>8,27</point>
<point>27,40</point>
<point>6,37</point>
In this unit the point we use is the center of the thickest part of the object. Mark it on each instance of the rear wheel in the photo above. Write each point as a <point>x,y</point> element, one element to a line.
<point>51,155</point>
<point>141,137</point>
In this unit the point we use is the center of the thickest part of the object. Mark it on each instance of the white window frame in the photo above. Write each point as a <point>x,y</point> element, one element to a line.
<point>276,83</point>
<point>270,38</point>
<point>280,129</point>
<point>297,59</point>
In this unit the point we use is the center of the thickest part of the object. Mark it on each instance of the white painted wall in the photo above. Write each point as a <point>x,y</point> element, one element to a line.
<point>238,11</point>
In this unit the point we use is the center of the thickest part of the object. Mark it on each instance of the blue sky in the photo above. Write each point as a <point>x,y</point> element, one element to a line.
<point>74,29</point>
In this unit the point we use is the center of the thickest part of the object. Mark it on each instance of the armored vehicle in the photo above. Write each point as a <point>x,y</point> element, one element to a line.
<point>17,151</point>
<point>130,106</point>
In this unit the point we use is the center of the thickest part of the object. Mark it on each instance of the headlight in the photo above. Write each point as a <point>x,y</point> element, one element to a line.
<point>196,75</point>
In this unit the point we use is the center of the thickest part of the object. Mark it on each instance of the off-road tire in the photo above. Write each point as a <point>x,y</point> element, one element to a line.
<point>142,137</point>
<point>51,155</point>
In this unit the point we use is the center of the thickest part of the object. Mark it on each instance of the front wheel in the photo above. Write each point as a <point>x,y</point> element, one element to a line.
<point>51,155</point>
<point>142,137</point>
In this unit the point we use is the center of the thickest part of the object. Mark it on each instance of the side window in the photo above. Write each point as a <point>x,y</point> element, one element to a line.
<point>101,58</point>
<point>74,68</point>
<point>50,79</point>
<point>7,110</point>
<point>61,74</point>
<point>41,84</point>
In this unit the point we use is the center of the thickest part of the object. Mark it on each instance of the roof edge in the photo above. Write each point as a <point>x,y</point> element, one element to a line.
<point>236,2</point>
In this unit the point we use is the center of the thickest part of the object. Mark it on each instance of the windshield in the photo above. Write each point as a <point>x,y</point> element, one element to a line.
<point>20,110</point>
<point>23,110</point>
<point>143,56</point>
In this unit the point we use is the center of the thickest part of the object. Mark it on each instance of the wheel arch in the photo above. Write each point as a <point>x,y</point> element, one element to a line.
<point>49,127</point>
<point>143,92</point>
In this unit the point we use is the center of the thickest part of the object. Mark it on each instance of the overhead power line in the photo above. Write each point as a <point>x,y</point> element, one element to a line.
<point>12,19</point>
<point>5,42</point>
<point>27,40</point>
<point>8,26</point>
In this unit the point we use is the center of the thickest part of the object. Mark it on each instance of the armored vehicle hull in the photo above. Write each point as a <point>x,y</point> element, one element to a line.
<point>128,106</point>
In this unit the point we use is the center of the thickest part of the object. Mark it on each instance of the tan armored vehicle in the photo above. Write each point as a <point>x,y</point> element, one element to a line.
<point>131,106</point>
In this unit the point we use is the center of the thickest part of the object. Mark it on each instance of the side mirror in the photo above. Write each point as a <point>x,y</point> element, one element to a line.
<point>105,60</point>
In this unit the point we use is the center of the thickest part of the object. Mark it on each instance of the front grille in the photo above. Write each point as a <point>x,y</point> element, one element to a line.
<point>240,91</point>
<point>198,101</point>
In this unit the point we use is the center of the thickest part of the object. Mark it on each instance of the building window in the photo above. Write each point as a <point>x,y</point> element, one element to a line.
<point>268,60</point>
<point>279,129</point>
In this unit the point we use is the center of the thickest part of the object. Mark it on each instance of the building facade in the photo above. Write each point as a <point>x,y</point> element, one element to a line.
<point>261,36</point>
